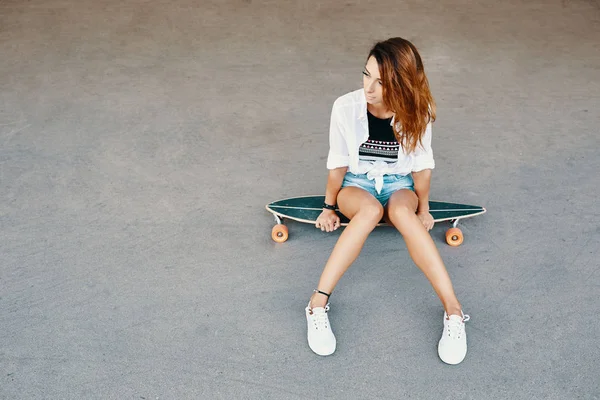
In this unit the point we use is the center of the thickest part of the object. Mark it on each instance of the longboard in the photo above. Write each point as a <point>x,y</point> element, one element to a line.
<point>306,209</point>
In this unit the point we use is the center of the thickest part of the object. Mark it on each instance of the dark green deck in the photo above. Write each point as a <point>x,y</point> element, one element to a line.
<point>308,208</point>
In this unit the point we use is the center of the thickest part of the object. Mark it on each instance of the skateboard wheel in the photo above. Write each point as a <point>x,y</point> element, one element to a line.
<point>454,237</point>
<point>279,233</point>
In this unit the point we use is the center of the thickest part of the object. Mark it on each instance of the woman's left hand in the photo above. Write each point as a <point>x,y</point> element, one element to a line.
<point>427,219</point>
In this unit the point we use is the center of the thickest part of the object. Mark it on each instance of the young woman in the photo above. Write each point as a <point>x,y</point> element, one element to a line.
<point>380,163</point>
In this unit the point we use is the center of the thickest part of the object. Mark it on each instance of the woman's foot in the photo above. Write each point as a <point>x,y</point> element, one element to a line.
<point>452,347</point>
<point>320,336</point>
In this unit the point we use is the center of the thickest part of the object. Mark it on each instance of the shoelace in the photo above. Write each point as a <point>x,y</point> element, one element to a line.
<point>320,319</point>
<point>456,328</point>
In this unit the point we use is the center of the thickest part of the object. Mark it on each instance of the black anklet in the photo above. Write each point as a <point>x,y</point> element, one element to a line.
<point>323,293</point>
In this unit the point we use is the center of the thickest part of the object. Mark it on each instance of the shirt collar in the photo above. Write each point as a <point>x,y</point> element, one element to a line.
<point>363,106</point>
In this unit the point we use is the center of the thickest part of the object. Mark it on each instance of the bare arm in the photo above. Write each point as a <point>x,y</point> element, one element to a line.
<point>422,181</point>
<point>334,184</point>
<point>329,221</point>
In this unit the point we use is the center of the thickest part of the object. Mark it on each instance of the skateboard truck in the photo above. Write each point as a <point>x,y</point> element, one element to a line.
<point>279,233</point>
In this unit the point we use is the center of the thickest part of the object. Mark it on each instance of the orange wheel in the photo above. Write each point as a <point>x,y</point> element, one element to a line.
<point>279,233</point>
<point>454,237</point>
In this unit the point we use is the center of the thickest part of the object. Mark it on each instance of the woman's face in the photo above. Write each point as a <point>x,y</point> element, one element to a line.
<point>372,82</point>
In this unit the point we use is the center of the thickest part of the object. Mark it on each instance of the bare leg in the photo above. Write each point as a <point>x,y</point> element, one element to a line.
<point>364,212</point>
<point>400,212</point>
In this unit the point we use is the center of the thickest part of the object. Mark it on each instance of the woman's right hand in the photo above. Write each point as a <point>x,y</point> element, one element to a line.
<point>328,221</point>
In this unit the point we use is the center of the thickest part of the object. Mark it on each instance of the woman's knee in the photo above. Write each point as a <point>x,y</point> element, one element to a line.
<point>400,211</point>
<point>371,211</point>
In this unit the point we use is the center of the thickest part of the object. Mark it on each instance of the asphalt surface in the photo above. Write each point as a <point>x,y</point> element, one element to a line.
<point>140,141</point>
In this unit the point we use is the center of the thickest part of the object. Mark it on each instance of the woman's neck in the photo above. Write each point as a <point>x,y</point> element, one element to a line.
<point>379,111</point>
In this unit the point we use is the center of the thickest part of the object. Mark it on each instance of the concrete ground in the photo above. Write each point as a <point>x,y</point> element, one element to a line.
<point>140,141</point>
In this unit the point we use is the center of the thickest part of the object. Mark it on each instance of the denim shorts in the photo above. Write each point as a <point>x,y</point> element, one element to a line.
<point>391,184</point>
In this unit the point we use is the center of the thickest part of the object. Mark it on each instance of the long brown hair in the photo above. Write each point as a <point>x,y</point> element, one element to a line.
<point>405,89</point>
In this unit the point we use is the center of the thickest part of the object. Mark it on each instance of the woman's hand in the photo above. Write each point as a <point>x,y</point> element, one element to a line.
<point>426,218</point>
<point>328,221</point>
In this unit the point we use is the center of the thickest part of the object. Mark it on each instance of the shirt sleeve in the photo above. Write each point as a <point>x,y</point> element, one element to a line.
<point>423,157</point>
<point>338,149</point>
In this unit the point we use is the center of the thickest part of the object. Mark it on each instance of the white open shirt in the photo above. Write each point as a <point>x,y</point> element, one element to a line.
<point>349,128</point>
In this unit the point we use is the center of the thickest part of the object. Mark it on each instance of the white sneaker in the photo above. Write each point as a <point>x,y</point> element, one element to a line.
<point>452,347</point>
<point>320,336</point>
